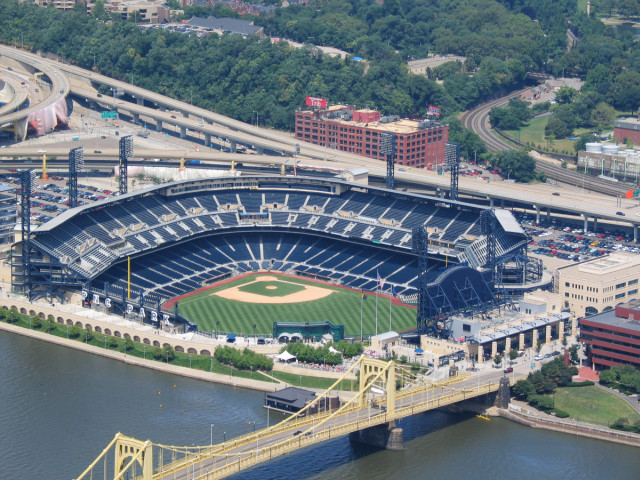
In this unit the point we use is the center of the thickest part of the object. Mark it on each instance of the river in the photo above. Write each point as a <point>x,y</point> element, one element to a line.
<point>61,407</point>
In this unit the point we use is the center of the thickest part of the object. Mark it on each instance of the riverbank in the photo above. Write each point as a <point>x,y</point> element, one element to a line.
<point>152,364</point>
<point>535,419</point>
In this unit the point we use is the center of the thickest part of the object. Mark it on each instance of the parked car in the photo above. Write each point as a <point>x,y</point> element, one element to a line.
<point>508,370</point>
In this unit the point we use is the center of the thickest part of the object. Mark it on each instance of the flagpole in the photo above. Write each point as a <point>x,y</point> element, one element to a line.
<point>361,304</point>
<point>377,293</point>
<point>390,297</point>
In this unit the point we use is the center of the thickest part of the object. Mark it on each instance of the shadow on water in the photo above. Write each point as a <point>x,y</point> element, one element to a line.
<point>317,461</point>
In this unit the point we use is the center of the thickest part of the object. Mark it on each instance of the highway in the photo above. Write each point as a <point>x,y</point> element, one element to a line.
<point>59,84</point>
<point>542,196</point>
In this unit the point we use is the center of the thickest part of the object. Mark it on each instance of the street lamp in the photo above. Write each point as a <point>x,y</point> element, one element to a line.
<point>144,351</point>
<point>211,443</point>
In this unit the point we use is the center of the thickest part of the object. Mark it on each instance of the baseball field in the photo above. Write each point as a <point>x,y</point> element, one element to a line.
<point>251,303</point>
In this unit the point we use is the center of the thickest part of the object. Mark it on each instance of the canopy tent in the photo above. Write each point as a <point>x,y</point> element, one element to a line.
<point>286,356</point>
<point>419,351</point>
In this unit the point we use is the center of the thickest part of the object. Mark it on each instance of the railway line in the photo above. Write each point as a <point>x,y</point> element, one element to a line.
<point>477,120</point>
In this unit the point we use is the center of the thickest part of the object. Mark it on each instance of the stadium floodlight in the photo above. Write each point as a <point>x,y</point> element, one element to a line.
<point>76,163</point>
<point>76,158</point>
<point>126,147</point>
<point>387,143</point>
<point>126,152</point>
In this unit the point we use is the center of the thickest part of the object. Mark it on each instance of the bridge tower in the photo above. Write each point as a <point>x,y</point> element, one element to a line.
<point>125,153</point>
<point>138,451</point>
<point>76,162</point>
<point>384,371</point>
<point>452,160</point>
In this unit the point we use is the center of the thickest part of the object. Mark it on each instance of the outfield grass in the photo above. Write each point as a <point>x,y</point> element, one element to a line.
<point>594,405</point>
<point>211,312</point>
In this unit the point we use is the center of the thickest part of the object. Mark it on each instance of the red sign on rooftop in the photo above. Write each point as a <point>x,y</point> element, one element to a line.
<point>317,102</point>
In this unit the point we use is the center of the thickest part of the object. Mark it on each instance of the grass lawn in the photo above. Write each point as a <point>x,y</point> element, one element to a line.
<point>211,312</point>
<point>593,405</point>
<point>533,134</point>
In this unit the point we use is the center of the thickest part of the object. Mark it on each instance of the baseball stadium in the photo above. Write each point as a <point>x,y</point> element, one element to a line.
<point>236,255</point>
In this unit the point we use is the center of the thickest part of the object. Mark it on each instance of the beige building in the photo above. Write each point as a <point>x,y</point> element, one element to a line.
<point>598,285</point>
<point>59,4</point>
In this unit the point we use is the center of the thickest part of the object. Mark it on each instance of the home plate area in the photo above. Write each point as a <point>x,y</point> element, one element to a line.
<point>270,289</point>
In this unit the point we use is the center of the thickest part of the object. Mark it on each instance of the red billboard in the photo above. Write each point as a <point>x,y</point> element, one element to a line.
<point>317,102</point>
<point>431,110</point>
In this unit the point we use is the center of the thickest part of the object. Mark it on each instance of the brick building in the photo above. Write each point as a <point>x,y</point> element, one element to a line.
<point>614,336</point>
<point>627,129</point>
<point>419,143</point>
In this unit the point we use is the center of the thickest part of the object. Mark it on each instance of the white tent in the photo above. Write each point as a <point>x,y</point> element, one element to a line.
<point>286,356</point>
<point>333,350</point>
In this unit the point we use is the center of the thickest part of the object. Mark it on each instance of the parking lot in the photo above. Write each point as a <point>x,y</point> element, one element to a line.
<point>570,243</point>
<point>52,196</point>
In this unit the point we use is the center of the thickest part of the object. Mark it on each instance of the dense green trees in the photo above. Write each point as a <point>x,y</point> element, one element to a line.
<point>244,360</point>
<point>516,165</point>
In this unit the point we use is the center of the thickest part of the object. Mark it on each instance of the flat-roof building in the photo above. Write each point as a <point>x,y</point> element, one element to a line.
<point>598,285</point>
<point>614,336</point>
<point>419,143</point>
<point>627,129</point>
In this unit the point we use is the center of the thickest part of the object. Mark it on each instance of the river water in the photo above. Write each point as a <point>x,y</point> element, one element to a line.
<point>61,407</point>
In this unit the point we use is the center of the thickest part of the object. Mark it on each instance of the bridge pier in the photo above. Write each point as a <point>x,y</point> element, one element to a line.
<point>595,224</point>
<point>635,233</point>
<point>140,100</point>
<point>183,132</point>
<point>386,436</point>
<point>232,146</point>
<point>260,150</point>
<point>548,216</point>
<point>537,215</point>
<point>136,117</point>
<point>504,394</point>
<point>207,139</point>
<point>159,126</point>
<point>585,223</point>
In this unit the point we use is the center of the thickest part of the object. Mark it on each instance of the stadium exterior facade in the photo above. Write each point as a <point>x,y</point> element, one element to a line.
<point>184,235</point>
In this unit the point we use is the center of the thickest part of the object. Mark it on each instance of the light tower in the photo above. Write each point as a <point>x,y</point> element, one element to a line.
<point>76,163</point>
<point>452,159</point>
<point>388,148</point>
<point>27,187</point>
<point>126,152</point>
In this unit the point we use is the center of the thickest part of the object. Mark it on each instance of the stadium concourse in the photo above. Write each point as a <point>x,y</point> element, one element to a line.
<point>189,234</point>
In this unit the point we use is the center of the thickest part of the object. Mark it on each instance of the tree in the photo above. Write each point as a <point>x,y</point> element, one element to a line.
<point>128,344</point>
<point>581,143</point>
<point>565,95</point>
<point>513,354</point>
<point>556,128</point>
<point>625,91</point>
<point>523,389</point>
<point>497,359</point>
<point>516,165</point>
<point>113,342</point>
<point>602,116</point>
<point>573,354</point>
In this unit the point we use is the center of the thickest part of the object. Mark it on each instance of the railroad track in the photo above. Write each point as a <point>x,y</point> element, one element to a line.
<point>477,120</point>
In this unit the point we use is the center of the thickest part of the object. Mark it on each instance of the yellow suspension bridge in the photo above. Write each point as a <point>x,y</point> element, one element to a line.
<point>387,392</point>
